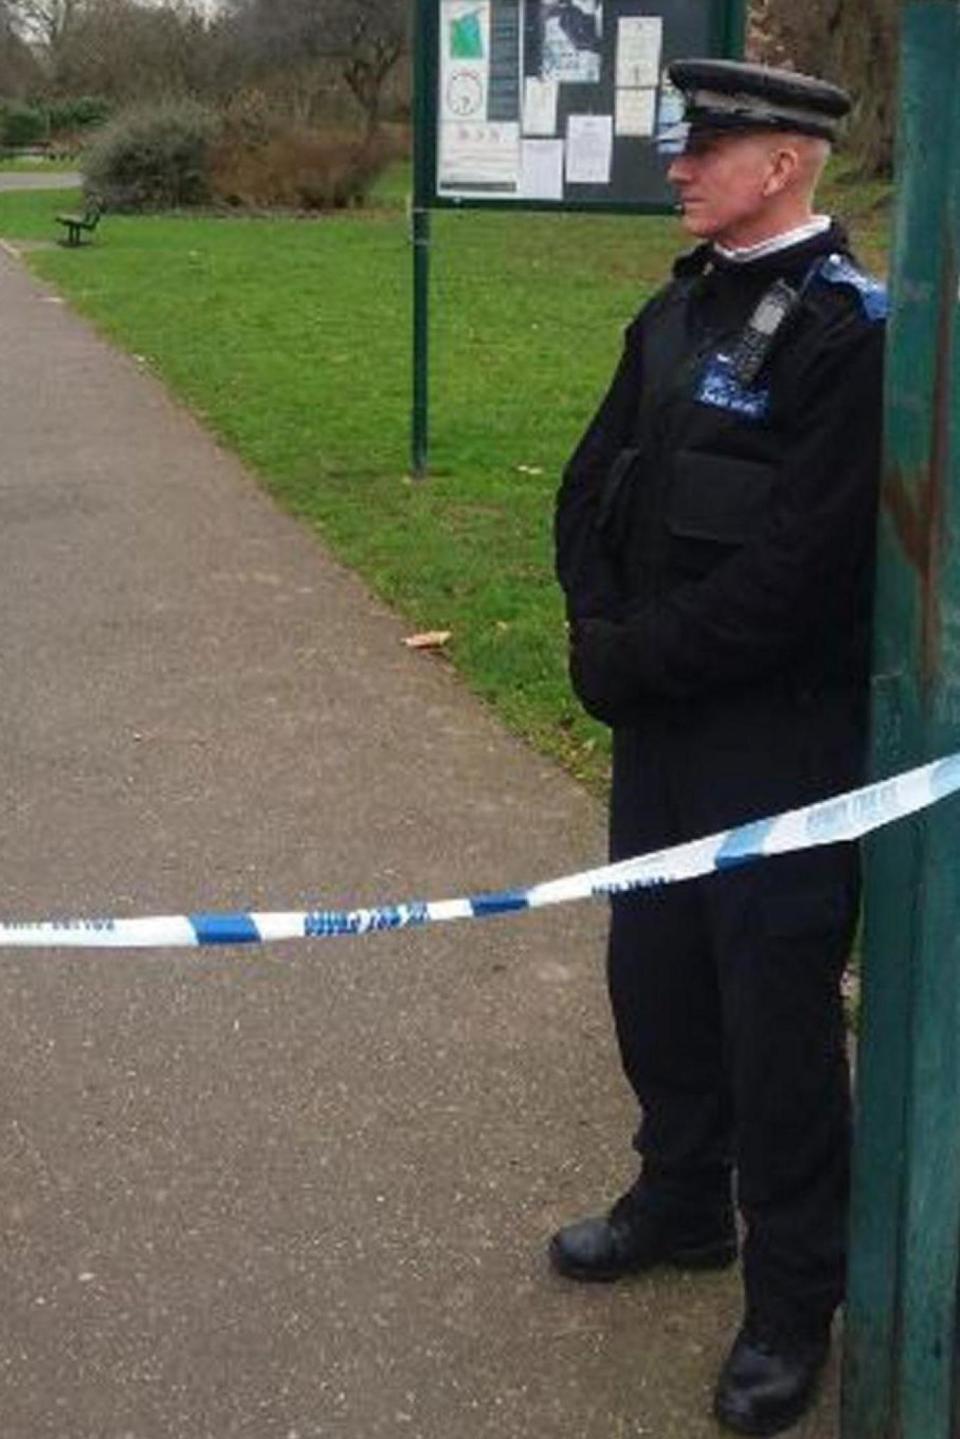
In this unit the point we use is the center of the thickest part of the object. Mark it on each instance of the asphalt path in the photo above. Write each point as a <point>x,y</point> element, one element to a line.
<point>35,180</point>
<point>302,1191</point>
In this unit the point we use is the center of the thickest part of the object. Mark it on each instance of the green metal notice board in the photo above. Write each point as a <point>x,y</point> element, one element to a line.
<point>556,103</point>
<point>546,105</point>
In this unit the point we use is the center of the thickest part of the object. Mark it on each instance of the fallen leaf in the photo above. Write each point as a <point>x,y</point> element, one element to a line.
<point>428,640</point>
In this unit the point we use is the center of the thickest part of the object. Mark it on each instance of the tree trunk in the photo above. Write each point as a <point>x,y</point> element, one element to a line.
<point>866,50</point>
<point>852,42</point>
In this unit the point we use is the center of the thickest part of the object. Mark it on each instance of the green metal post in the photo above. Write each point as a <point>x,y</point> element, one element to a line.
<point>423,153</point>
<point>900,1369</point>
<point>736,19</point>
<point>420,230</point>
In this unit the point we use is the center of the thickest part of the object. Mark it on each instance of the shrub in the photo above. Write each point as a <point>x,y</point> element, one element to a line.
<point>295,168</point>
<point>82,113</point>
<point>153,157</point>
<point>22,125</point>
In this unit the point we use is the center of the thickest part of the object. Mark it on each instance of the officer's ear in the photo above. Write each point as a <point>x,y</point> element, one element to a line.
<point>783,167</point>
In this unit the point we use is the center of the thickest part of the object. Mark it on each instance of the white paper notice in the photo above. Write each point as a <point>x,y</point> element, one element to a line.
<point>589,149</point>
<point>636,112</point>
<point>540,106</point>
<point>541,169</point>
<point>465,59</point>
<point>479,157</point>
<point>639,48</point>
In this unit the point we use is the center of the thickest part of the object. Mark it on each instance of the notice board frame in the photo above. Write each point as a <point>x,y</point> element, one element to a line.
<point>724,31</point>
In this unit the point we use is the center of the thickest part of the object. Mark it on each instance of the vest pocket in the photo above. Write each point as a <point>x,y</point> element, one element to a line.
<point>715,503</point>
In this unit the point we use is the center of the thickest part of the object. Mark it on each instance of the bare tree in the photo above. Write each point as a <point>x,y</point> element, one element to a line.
<point>363,39</point>
<point>866,46</point>
<point>19,72</point>
<point>373,37</point>
<point>129,51</point>
<point>45,22</point>
<point>46,26</point>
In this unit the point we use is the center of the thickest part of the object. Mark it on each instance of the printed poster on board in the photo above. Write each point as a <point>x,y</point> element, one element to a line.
<point>571,37</point>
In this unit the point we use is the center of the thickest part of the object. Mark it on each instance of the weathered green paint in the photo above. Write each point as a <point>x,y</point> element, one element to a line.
<point>902,1306</point>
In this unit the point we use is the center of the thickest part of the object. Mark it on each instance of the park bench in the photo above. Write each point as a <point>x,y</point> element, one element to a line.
<point>78,225</point>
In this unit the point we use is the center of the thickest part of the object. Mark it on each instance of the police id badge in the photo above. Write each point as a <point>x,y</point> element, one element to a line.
<point>721,386</point>
<point>729,380</point>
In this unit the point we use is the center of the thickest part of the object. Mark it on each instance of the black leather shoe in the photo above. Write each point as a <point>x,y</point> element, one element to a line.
<point>767,1384</point>
<point>631,1238</point>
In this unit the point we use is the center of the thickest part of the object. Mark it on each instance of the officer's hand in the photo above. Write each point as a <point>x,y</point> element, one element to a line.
<point>598,672</point>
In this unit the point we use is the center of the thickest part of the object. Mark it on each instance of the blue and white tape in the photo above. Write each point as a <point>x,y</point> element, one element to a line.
<point>844,817</point>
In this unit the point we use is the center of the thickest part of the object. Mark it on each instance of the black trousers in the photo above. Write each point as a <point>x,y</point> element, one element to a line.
<point>726,990</point>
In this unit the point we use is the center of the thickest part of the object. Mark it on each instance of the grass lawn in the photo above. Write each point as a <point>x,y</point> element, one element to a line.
<point>291,338</point>
<point>36,165</point>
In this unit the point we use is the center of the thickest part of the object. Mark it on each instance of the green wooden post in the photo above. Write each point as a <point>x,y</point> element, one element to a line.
<point>902,1314</point>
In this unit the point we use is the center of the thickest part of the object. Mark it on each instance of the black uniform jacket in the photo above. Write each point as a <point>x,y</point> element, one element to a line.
<point>713,535</point>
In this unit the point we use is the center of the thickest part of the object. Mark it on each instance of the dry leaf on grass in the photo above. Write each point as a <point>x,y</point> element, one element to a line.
<point>429,640</point>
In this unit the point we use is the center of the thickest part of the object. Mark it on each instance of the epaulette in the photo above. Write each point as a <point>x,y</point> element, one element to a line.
<point>692,262</point>
<point>840,270</point>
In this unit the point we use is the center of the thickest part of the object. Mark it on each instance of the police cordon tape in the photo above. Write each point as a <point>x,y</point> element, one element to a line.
<point>843,817</point>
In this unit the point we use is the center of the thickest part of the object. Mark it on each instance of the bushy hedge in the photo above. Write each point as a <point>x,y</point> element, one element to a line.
<point>81,113</point>
<point>153,158</point>
<point>179,154</point>
<point>24,125</point>
<point>296,168</point>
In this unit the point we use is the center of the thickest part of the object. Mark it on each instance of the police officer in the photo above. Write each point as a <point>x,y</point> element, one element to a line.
<point>715,535</point>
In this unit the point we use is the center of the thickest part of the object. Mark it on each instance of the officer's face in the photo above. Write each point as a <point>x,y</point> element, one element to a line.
<point>726,183</point>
